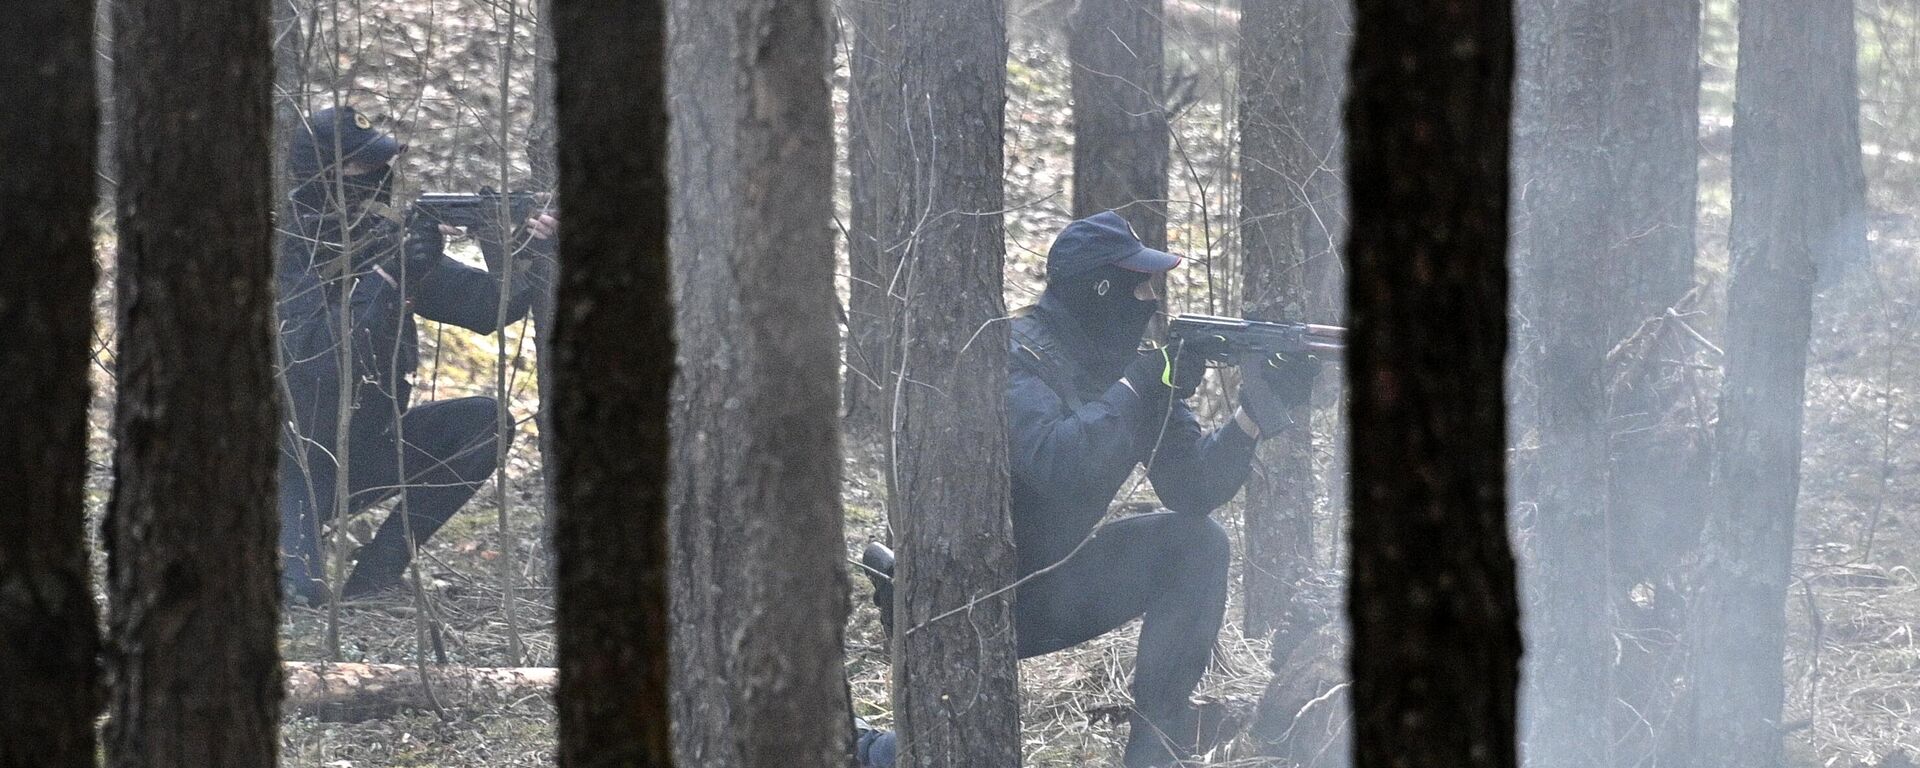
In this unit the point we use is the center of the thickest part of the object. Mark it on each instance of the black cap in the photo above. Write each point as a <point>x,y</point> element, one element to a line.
<point>357,138</point>
<point>1101,239</point>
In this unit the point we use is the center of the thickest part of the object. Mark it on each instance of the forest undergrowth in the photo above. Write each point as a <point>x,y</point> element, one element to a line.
<point>1852,613</point>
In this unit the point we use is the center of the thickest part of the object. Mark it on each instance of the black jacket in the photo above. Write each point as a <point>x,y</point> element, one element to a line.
<point>1077,435</point>
<point>381,297</point>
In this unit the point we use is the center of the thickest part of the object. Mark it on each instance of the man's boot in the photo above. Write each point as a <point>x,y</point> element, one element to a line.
<point>1162,741</point>
<point>877,564</point>
<point>1192,732</point>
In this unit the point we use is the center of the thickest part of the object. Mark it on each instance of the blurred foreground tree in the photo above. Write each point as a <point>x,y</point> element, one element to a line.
<point>1798,203</point>
<point>191,530</point>
<point>613,369</point>
<point>955,686</point>
<point>1436,642</point>
<point>49,635</point>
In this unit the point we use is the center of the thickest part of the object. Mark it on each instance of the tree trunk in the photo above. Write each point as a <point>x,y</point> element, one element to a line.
<point>787,664</point>
<point>1436,638</point>
<point>192,528</point>
<point>49,691</point>
<point>955,685</point>
<point>760,590</point>
<point>1798,200</point>
<point>1657,488</point>
<point>1120,140</point>
<point>1569,680</point>
<point>613,370</point>
<point>706,526</point>
<point>1120,131</point>
<point>1276,158</point>
<point>876,186</point>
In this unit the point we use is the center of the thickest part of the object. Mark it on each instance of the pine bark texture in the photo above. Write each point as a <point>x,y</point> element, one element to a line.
<point>787,664</point>
<point>1433,608</point>
<point>759,583</point>
<point>1569,681</point>
<point>706,525</point>
<point>192,526</point>
<point>614,342</point>
<point>955,685</point>
<point>875,116</point>
<point>1120,139</point>
<point>1276,158</point>
<point>49,691</point>
<point>1798,200</point>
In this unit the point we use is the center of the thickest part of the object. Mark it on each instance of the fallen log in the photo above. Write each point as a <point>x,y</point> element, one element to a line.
<point>350,692</point>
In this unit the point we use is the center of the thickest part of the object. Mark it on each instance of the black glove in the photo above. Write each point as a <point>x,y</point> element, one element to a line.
<point>1271,386</point>
<point>424,247</point>
<point>1156,371</point>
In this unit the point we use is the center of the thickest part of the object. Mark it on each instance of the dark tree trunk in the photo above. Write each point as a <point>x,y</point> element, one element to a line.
<point>1276,157</point>
<point>1435,618</point>
<point>49,692</point>
<point>1569,682</point>
<point>192,528</point>
<point>1798,201</point>
<point>1657,488</point>
<point>953,635</point>
<point>706,525</point>
<point>1120,141</point>
<point>613,370</point>
<point>876,188</point>
<point>787,665</point>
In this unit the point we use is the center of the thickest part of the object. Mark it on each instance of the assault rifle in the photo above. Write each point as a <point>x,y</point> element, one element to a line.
<point>1225,339</point>
<point>478,209</point>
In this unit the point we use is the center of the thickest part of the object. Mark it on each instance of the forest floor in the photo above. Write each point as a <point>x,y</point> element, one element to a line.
<point>1853,655</point>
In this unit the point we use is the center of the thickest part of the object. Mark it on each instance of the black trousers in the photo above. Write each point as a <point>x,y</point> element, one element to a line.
<point>1168,567</point>
<point>448,454</point>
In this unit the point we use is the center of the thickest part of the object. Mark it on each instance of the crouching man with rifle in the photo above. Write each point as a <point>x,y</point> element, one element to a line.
<point>1086,406</point>
<point>352,275</point>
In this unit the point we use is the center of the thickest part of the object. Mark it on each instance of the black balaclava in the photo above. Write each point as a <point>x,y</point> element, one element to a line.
<point>325,141</point>
<point>1111,320</point>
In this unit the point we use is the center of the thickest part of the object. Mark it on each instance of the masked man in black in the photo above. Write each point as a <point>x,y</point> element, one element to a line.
<point>348,254</point>
<point>1085,407</point>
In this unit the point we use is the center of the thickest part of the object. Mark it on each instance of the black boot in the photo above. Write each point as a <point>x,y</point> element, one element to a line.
<point>877,562</point>
<point>1161,741</point>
